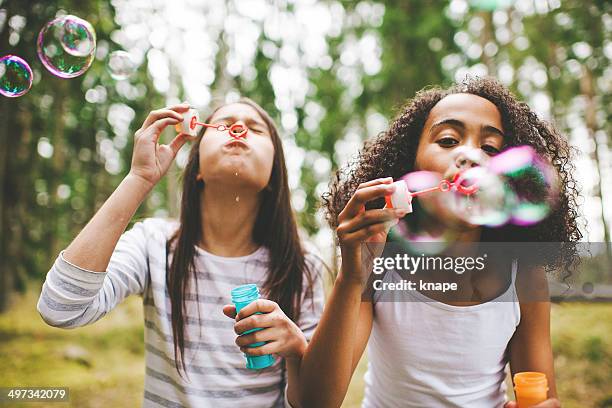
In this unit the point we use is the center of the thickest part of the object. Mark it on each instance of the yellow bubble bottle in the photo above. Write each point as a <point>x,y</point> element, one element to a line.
<point>530,388</point>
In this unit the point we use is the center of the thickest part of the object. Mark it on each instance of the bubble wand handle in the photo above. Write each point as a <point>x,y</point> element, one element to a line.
<point>402,197</point>
<point>236,130</point>
<point>191,121</point>
<point>445,185</point>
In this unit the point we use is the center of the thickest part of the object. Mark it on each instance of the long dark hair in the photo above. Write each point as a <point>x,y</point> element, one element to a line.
<point>393,154</point>
<point>275,228</point>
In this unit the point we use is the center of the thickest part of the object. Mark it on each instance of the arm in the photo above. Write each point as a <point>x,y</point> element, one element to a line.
<point>530,348</point>
<point>338,343</point>
<point>336,347</point>
<point>101,266</point>
<point>94,245</point>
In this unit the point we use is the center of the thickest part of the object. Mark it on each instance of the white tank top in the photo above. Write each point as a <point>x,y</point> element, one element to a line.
<point>424,353</point>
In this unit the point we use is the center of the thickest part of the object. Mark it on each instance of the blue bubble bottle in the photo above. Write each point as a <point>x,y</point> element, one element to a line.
<point>242,296</point>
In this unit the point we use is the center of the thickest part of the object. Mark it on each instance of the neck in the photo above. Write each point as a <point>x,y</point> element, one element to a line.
<point>456,233</point>
<point>228,219</point>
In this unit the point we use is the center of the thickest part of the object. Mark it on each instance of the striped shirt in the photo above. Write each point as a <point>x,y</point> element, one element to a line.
<point>73,297</point>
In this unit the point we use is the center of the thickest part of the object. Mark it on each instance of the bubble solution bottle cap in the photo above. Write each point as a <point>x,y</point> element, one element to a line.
<point>189,124</point>
<point>530,388</point>
<point>401,198</point>
<point>241,297</point>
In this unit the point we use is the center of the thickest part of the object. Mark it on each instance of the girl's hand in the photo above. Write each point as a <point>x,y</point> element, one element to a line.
<point>283,337</point>
<point>357,226</point>
<point>150,160</point>
<point>549,403</point>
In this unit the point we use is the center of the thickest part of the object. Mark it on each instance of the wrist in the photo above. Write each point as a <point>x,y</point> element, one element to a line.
<point>299,349</point>
<point>350,280</point>
<point>138,182</point>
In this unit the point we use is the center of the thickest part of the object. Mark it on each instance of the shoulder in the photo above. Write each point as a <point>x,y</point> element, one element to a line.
<point>157,228</point>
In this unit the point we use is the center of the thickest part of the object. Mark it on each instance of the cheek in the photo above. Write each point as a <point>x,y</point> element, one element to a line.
<point>266,158</point>
<point>431,157</point>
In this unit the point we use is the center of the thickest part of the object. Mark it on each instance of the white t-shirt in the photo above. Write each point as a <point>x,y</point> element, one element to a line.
<point>424,353</point>
<point>73,297</point>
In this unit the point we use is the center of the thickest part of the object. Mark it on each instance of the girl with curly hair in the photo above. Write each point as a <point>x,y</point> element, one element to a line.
<point>439,353</point>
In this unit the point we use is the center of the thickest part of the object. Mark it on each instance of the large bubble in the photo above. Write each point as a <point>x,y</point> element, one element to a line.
<point>532,179</point>
<point>15,76</point>
<point>66,46</point>
<point>516,186</point>
<point>120,65</point>
<point>481,197</point>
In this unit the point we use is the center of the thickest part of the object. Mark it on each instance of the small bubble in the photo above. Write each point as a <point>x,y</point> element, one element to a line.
<point>237,198</point>
<point>121,65</point>
<point>15,76</point>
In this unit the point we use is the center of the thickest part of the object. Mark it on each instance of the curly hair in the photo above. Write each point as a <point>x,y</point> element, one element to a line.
<point>393,152</point>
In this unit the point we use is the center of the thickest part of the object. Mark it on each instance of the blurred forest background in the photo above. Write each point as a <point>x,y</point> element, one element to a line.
<point>332,73</point>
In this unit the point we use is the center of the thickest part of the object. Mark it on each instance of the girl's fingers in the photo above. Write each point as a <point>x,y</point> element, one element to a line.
<point>386,180</point>
<point>269,334</point>
<point>268,348</point>
<point>255,321</point>
<point>549,403</point>
<point>366,233</point>
<point>362,196</point>
<point>178,142</point>
<point>370,217</point>
<point>153,132</point>
<point>260,305</point>
<point>171,111</point>
<point>229,311</point>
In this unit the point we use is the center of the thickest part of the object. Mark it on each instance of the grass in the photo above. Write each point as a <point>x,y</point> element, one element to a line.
<point>112,373</point>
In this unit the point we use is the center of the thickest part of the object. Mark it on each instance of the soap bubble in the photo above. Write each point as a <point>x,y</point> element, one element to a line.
<point>533,181</point>
<point>516,186</point>
<point>121,65</point>
<point>481,198</point>
<point>78,37</point>
<point>66,46</point>
<point>15,76</point>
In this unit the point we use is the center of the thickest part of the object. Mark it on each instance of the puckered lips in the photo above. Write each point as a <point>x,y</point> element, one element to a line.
<point>236,145</point>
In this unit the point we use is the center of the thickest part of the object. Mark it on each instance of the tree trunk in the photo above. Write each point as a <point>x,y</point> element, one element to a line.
<point>587,89</point>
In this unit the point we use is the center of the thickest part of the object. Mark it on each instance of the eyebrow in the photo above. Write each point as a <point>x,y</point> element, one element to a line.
<point>247,120</point>
<point>459,124</point>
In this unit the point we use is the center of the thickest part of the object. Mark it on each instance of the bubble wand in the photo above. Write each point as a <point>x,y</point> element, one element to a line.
<point>402,197</point>
<point>191,121</point>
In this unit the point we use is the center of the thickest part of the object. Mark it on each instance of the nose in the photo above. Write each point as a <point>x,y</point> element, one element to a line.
<point>467,158</point>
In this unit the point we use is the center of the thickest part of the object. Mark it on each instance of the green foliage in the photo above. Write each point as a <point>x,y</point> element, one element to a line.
<point>45,201</point>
